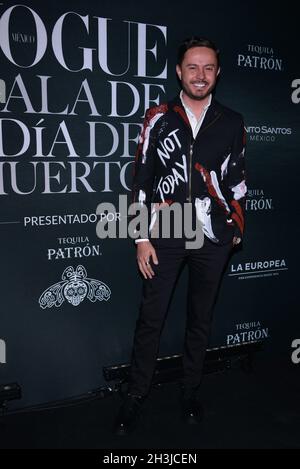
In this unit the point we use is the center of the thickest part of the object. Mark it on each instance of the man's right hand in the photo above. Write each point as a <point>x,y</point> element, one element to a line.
<point>145,251</point>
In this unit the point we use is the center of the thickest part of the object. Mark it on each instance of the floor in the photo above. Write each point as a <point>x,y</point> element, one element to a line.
<point>258,409</point>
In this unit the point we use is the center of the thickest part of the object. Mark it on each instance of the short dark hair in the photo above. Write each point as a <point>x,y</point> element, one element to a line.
<point>196,41</point>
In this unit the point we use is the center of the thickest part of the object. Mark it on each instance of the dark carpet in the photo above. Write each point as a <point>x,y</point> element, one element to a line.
<point>258,409</point>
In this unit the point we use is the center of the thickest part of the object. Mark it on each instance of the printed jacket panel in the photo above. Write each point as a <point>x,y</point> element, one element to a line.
<point>207,172</point>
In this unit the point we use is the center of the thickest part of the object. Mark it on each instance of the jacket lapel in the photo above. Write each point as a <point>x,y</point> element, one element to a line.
<point>213,113</point>
<point>179,112</point>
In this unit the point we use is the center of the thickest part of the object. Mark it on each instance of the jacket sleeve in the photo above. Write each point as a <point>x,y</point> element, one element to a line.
<point>237,180</point>
<point>144,167</point>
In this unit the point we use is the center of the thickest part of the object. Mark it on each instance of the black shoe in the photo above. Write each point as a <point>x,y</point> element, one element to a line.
<point>128,415</point>
<point>192,411</point>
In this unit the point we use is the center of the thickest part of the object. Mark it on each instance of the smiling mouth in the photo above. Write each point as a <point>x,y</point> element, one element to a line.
<point>199,85</point>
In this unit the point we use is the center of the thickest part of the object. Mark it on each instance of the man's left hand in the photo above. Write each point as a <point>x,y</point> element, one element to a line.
<point>236,240</point>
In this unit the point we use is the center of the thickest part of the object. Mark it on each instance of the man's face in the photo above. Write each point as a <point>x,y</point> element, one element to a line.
<point>198,72</point>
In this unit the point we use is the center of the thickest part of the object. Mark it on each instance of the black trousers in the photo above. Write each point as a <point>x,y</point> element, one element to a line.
<point>206,266</point>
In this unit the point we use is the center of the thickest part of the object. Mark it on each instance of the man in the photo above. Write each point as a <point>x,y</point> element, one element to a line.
<point>191,152</point>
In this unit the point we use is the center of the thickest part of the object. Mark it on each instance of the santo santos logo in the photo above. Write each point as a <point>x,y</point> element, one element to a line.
<point>74,287</point>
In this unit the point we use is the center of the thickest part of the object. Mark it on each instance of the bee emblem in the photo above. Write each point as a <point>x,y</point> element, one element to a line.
<point>74,287</point>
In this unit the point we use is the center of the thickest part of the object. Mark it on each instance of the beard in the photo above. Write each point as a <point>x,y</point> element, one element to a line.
<point>195,96</point>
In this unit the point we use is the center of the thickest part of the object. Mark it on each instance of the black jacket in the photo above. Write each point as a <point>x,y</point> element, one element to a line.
<point>208,171</point>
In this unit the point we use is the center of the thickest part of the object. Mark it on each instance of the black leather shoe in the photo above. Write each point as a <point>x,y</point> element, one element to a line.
<point>192,411</point>
<point>128,415</point>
